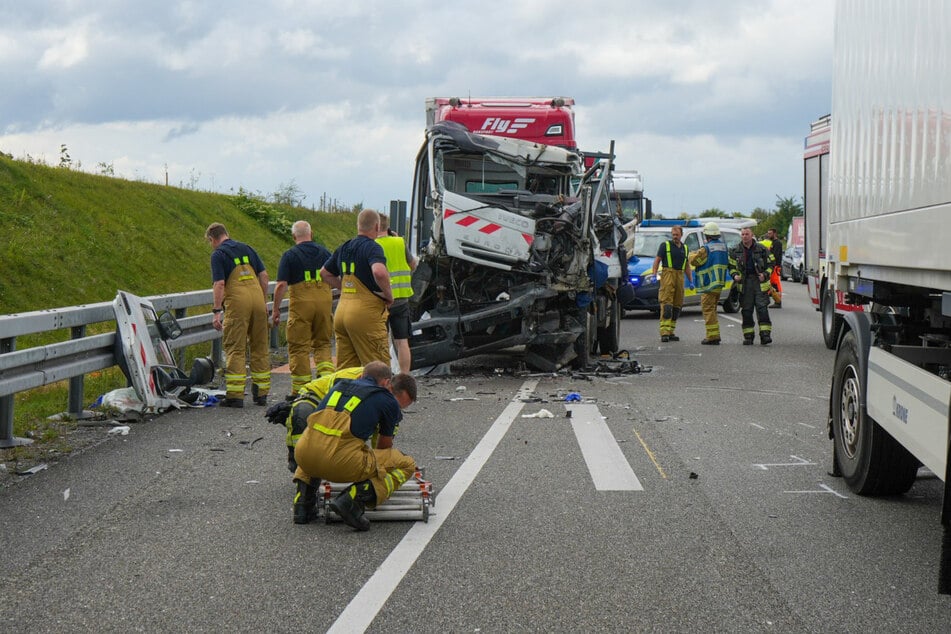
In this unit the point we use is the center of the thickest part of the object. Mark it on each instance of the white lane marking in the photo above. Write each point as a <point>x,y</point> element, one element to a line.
<point>825,489</point>
<point>729,318</point>
<point>800,462</point>
<point>609,469</point>
<point>363,608</point>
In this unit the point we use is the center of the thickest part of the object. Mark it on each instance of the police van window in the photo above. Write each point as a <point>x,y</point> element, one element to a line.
<point>731,239</point>
<point>692,242</point>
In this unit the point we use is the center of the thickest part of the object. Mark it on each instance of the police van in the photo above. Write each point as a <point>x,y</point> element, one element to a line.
<point>648,237</point>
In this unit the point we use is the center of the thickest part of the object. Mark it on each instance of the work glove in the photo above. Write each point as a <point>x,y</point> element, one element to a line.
<point>278,413</point>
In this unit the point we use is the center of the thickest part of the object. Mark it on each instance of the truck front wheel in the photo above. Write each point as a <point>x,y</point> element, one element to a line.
<point>870,460</point>
<point>831,321</point>
<point>609,335</point>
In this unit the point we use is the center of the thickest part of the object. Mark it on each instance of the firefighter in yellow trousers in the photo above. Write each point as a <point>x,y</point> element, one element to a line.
<point>711,264</point>
<point>309,312</point>
<point>240,312</point>
<point>358,269</point>
<point>670,294</point>
<point>334,445</point>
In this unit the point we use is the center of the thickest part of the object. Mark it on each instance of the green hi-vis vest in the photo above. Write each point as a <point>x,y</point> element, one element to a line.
<point>401,277</point>
<point>670,261</point>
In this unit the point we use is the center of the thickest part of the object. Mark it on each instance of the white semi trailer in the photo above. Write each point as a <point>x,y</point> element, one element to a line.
<point>889,247</point>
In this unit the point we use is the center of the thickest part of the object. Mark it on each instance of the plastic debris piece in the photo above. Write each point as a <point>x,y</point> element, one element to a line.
<point>33,470</point>
<point>175,450</point>
<point>542,413</point>
<point>447,457</point>
<point>693,476</point>
<point>65,495</point>
<point>461,388</point>
<point>121,430</point>
<point>573,397</point>
<point>463,398</point>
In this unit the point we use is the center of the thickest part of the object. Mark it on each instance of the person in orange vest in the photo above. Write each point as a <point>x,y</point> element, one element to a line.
<point>239,310</point>
<point>401,264</point>
<point>775,246</point>
<point>309,311</point>
<point>670,295</point>
<point>358,269</point>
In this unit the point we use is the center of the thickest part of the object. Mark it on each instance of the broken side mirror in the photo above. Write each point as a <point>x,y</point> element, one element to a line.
<point>203,371</point>
<point>168,326</point>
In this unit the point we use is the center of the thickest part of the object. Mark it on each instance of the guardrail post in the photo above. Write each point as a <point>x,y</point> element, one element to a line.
<point>77,383</point>
<point>7,439</point>
<point>180,313</point>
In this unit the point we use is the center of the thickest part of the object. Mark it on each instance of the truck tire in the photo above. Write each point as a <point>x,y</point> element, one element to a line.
<point>609,335</point>
<point>732,302</point>
<point>869,459</point>
<point>584,344</point>
<point>831,321</point>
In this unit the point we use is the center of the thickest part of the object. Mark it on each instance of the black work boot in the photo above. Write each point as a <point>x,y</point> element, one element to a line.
<point>305,502</point>
<point>259,399</point>
<point>747,340</point>
<point>765,339</point>
<point>232,402</point>
<point>351,504</point>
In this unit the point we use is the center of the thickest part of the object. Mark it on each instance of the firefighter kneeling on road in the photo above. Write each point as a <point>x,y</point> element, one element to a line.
<point>294,414</point>
<point>334,445</point>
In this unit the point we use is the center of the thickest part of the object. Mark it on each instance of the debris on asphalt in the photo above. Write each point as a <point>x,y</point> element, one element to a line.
<point>121,430</point>
<point>447,458</point>
<point>542,413</point>
<point>33,470</point>
<point>573,397</point>
<point>65,495</point>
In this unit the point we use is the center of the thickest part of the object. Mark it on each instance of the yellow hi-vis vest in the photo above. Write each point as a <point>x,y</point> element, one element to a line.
<point>401,277</point>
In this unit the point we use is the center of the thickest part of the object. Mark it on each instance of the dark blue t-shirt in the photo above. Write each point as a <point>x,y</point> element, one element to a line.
<point>306,256</point>
<point>377,411</point>
<point>363,253</point>
<point>222,260</point>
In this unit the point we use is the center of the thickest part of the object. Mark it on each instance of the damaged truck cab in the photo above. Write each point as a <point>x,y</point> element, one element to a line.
<point>513,249</point>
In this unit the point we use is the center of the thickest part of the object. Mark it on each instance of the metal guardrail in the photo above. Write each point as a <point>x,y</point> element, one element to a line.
<point>23,370</point>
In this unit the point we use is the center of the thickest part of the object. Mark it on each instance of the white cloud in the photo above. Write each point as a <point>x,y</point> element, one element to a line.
<point>699,96</point>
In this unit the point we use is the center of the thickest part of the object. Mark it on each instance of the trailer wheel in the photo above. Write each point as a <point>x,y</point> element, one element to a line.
<point>831,321</point>
<point>732,302</point>
<point>609,335</point>
<point>870,460</point>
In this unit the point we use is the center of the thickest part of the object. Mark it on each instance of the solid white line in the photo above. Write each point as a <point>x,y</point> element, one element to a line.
<point>609,469</point>
<point>363,608</point>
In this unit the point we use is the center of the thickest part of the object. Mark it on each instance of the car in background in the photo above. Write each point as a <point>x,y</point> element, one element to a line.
<point>792,268</point>
<point>647,239</point>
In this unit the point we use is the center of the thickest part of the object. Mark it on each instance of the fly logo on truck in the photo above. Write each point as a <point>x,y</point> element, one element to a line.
<point>495,125</point>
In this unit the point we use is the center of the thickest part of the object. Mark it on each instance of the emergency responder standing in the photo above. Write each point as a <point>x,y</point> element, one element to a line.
<point>400,263</point>
<point>358,269</point>
<point>240,312</point>
<point>750,266</point>
<point>334,445</point>
<point>775,246</point>
<point>711,264</point>
<point>670,295</point>
<point>309,313</point>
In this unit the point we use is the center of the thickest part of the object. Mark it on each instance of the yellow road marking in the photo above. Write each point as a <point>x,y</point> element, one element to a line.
<point>650,454</point>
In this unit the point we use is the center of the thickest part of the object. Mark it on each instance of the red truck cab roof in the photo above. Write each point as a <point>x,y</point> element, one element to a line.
<point>547,120</point>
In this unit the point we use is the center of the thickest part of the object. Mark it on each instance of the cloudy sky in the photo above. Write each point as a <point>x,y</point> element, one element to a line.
<point>710,101</point>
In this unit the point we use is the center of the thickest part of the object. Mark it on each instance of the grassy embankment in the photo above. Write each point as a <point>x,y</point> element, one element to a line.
<point>69,238</point>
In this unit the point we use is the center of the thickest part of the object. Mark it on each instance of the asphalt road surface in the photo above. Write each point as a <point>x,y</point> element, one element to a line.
<point>691,497</point>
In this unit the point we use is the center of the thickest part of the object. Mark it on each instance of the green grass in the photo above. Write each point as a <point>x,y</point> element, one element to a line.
<point>69,238</point>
